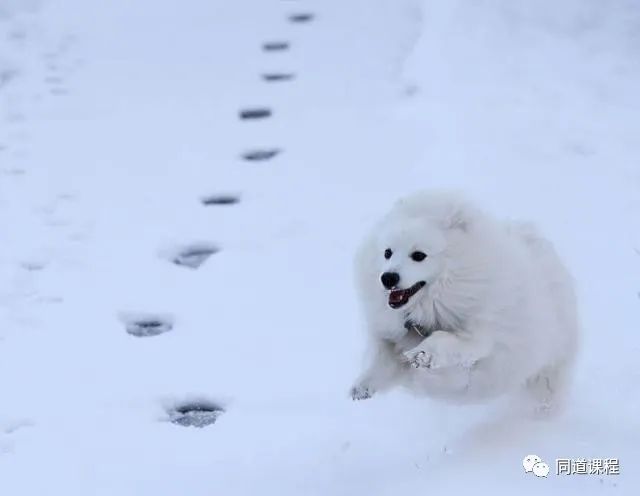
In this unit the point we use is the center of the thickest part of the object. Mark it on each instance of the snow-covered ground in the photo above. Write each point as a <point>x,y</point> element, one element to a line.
<point>117,118</point>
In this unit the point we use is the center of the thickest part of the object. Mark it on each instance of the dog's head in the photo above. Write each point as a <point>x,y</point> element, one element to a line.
<point>410,258</point>
<point>423,240</point>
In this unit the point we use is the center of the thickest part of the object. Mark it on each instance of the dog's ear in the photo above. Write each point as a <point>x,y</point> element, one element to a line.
<point>458,216</point>
<point>458,220</point>
<point>449,209</point>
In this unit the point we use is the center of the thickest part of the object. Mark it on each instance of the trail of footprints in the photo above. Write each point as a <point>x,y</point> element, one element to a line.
<point>45,75</point>
<point>202,413</point>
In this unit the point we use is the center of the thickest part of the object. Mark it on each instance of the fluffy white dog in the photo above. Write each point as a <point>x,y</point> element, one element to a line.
<point>461,307</point>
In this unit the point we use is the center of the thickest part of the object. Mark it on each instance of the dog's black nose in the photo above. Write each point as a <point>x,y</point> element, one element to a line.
<point>390,279</point>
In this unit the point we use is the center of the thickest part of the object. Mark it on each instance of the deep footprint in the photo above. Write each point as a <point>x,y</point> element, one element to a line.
<point>255,113</point>
<point>146,325</point>
<point>196,414</point>
<point>278,76</point>
<point>260,155</point>
<point>194,256</point>
<point>275,46</point>
<point>220,200</point>
<point>301,18</point>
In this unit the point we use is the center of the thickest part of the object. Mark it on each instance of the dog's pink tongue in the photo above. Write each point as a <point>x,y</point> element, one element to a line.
<point>396,296</point>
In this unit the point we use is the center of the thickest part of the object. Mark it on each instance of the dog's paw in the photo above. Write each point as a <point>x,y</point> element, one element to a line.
<point>361,392</point>
<point>418,358</point>
<point>439,350</point>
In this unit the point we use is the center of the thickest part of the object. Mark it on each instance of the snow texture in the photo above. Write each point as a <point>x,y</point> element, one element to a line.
<point>119,119</point>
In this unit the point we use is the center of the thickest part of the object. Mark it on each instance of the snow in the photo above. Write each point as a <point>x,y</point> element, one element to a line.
<point>118,118</point>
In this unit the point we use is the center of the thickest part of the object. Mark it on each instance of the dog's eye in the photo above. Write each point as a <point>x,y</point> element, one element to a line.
<point>388,253</point>
<point>418,256</point>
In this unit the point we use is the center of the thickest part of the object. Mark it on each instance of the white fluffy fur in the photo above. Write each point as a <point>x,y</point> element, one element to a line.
<point>501,302</point>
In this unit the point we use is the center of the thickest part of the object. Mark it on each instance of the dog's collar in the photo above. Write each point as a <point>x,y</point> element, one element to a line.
<point>411,326</point>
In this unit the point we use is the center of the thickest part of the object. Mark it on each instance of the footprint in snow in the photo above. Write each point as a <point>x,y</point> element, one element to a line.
<point>275,46</point>
<point>200,413</point>
<point>260,155</point>
<point>56,85</point>
<point>145,325</point>
<point>15,425</point>
<point>255,113</point>
<point>194,255</point>
<point>33,265</point>
<point>277,77</point>
<point>301,18</point>
<point>223,199</point>
<point>14,171</point>
<point>191,255</point>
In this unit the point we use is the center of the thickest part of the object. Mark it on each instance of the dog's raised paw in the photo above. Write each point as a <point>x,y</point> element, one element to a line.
<point>361,392</point>
<point>419,359</point>
<point>439,350</point>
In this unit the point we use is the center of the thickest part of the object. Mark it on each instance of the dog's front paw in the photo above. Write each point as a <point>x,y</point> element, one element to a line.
<point>361,392</point>
<point>418,358</point>
<point>439,350</point>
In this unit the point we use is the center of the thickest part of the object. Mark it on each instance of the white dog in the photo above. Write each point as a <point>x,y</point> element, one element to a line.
<point>461,307</point>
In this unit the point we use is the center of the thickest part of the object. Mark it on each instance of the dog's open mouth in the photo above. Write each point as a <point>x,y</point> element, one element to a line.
<point>400,297</point>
